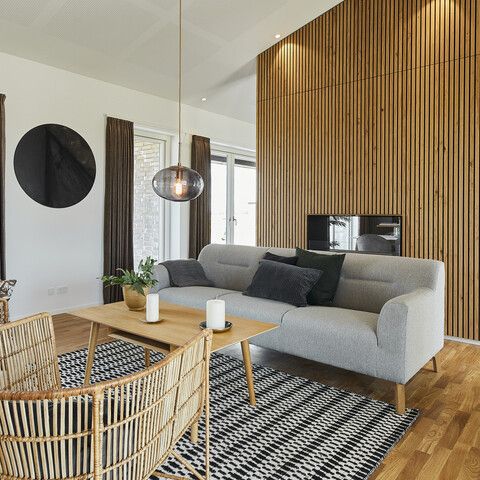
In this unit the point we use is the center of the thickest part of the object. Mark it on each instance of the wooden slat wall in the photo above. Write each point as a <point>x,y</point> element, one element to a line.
<point>374,108</point>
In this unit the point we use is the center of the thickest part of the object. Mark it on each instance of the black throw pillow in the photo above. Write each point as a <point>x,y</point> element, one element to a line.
<point>279,258</point>
<point>283,282</point>
<point>186,273</point>
<point>324,291</point>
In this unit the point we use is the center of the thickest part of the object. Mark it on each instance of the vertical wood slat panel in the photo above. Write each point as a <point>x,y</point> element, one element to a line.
<point>374,108</point>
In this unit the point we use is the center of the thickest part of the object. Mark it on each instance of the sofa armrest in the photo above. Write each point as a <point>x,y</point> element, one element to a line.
<point>160,273</point>
<point>411,329</point>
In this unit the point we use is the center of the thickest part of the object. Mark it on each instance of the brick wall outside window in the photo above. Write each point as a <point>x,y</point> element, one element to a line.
<point>147,220</point>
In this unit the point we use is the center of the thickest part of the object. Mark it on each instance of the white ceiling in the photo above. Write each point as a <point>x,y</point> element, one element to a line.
<point>134,43</point>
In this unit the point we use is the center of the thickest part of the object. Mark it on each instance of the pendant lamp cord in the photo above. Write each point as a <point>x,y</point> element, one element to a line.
<point>180,83</point>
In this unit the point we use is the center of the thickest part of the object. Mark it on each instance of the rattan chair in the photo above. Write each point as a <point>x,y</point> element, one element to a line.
<point>3,310</point>
<point>119,429</point>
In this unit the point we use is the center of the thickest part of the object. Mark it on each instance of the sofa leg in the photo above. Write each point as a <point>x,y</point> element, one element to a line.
<point>435,363</point>
<point>400,398</point>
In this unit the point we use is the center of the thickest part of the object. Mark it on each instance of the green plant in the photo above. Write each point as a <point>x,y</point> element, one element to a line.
<point>139,280</point>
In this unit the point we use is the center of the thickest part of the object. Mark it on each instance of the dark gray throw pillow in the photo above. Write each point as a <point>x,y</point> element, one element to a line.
<point>324,291</point>
<point>186,273</point>
<point>280,258</point>
<point>283,282</point>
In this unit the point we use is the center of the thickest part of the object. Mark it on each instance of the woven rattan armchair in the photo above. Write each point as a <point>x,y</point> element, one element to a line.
<point>3,310</point>
<point>119,429</point>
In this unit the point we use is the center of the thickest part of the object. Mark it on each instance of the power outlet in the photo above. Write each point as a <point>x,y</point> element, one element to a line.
<point>62,290</point>
<point>51,291</point>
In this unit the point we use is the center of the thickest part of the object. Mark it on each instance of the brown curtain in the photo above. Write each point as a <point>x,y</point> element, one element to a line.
<point>200,210</point>
<point>2,187</point>
<point>118,228</point>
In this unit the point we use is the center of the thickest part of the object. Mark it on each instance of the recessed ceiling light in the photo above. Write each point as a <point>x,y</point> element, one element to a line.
<point>277,35</point>
<point>204,99</point>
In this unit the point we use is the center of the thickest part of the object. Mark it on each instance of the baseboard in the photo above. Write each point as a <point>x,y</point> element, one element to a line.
<point>61,310</point>
<point>463,340</point>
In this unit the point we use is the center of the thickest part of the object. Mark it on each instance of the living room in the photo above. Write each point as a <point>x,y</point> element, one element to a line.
<point>240,239</point>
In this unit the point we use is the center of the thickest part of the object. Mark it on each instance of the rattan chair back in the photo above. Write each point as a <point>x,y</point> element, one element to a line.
<point>119,429</point>
<point>3,310</point>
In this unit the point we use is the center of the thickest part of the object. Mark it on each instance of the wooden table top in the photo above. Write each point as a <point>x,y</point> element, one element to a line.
<point>178,325</point>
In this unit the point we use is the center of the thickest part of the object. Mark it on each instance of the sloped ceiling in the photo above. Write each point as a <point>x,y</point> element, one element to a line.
<point>133,43</point>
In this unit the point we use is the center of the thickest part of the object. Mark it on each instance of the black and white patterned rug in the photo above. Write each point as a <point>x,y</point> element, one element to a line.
<point>299,430</point>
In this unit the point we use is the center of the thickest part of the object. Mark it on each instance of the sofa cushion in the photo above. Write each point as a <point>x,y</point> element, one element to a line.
<point>52,417</point>
<point>259,309</point>
<point>368,281</point>
<point>335,336</point>
<point>195,297</point>
<point>231,266</point>
<point>283,282</point>
<point>324,291</point>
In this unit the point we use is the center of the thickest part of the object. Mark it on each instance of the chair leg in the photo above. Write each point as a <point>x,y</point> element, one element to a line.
<point>207,432</point>
<point>400,398</point>
<point>435,364</point>
<point>194,432</point>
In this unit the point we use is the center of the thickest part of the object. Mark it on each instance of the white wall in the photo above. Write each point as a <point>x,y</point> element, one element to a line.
<point>49,247</point>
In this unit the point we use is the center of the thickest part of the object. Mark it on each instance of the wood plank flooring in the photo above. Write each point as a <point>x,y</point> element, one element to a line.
<point>443,444</point>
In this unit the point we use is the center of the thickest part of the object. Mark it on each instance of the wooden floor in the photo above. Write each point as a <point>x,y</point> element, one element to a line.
<point>443,444</point>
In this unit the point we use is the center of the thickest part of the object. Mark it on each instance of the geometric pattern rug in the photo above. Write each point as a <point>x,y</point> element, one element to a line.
<point>299,430</point>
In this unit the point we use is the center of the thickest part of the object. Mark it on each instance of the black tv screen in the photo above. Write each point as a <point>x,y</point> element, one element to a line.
<point>355,233</point>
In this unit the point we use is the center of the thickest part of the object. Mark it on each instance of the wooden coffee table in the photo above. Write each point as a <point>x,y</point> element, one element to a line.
<point>178,325</point>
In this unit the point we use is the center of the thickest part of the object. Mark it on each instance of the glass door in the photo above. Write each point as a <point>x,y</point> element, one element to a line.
<point>219,198</point>
<point>245,202</point>
<point>234,193</point>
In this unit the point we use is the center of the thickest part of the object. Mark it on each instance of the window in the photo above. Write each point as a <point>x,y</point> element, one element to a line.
<point>150,155</point>
<point>234,193</point>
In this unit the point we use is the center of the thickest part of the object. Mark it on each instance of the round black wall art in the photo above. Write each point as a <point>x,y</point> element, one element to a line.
<point>54,165</point>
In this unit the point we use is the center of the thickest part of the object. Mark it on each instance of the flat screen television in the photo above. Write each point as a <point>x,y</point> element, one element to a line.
<point>378,234</point>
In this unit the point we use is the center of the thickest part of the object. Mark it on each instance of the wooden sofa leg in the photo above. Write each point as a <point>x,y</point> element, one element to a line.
<point>400,398</point>
<point>435,364</point>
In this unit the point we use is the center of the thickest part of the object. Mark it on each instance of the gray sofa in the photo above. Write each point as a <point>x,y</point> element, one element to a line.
<point>387,319</point>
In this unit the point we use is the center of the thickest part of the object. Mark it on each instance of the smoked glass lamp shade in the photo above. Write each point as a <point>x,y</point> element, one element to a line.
<point>178,184</point>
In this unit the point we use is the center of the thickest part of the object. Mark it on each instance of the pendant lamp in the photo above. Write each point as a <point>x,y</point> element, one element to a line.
<point>178,183</point>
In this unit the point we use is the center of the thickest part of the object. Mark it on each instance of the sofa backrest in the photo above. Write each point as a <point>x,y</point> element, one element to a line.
<point>231,266</point>
<point>366,283</point>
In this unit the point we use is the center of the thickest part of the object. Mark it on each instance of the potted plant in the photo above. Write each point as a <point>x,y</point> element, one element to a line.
<point>135,285</point>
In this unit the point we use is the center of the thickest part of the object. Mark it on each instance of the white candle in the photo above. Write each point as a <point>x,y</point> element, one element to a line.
<point>153,310</point>
<point>216,314</point>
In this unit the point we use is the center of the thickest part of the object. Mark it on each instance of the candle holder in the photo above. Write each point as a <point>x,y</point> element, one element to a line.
<point>228,326</point>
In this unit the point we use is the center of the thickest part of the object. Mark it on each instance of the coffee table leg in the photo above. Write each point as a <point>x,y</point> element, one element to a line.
<point>147,357</point>
<point>92,343</point>
<point>248,371</point>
